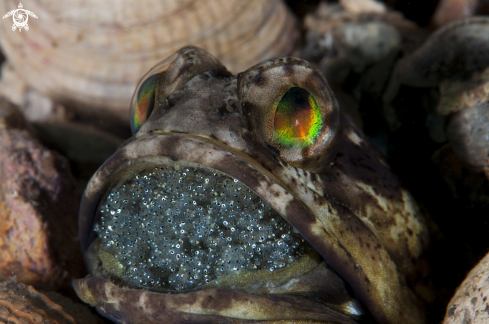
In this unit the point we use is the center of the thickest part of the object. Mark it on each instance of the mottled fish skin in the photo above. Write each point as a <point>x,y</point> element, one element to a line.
<point>352,208</point>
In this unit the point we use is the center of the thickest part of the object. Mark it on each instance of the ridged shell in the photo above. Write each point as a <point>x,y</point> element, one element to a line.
<point>91,54</point>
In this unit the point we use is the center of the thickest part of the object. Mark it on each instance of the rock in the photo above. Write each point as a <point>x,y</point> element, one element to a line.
<point>468,132</point>
<point>38,208</point>
<point>450,10</point>
<point>470,304</point>
<point>20,303</point>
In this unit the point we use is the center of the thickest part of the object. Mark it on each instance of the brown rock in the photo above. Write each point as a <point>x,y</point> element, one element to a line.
<point>470,304</point>
<point>456,96</point>
<point>38,208</point>
<point>450,10</point>
<point>452,59</point>
<point>23,304</point>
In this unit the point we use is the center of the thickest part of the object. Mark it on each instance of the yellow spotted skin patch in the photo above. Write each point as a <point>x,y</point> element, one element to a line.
<point>144,103</point>
<point>297,119</point>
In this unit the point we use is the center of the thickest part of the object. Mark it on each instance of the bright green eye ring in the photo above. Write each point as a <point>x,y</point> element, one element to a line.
<point>297,121</point>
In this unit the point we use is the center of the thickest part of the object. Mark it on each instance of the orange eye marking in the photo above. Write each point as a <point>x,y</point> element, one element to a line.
<point>297,120</point>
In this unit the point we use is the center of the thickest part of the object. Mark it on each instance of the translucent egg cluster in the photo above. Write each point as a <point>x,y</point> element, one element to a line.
<point>179,228</point>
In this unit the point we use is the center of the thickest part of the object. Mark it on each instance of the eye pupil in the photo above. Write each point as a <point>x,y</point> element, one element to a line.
<point>144,102</point>
<point>297,120</point>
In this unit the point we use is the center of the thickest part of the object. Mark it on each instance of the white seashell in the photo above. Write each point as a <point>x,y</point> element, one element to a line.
<point>90,53</point>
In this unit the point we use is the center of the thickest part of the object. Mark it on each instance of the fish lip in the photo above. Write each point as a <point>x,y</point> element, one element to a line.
<point>115,302</point>
<point>170,149</point>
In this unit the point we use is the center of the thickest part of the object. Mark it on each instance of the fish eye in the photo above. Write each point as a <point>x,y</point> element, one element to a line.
<point>143,102</point>
<point>297,121</point>
<point>145,96</point>
<point>291,109</point>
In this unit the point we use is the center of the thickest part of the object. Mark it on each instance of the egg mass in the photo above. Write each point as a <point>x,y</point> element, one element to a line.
<point>178,229</point>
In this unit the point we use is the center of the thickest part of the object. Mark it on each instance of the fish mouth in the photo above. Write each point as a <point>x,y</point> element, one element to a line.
<point>178,228</point>
<point>173,212</point>
<point>299,277</point>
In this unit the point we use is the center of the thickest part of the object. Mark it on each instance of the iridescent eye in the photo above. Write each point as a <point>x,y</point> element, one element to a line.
<point>292,110</point>
<point>144,98</point>
<point>143,103</point>
<point>297,119</point>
